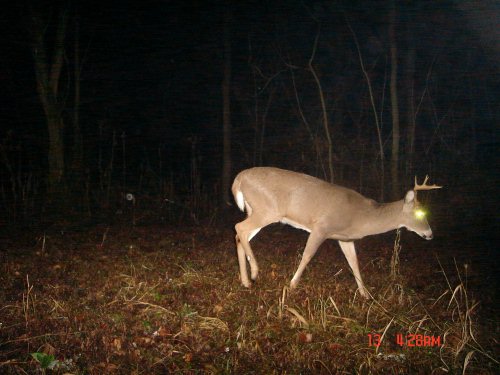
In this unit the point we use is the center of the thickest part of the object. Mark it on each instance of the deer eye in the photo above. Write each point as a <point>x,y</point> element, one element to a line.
<point>419,214</point>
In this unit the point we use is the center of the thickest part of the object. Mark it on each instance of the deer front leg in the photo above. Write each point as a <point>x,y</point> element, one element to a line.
<point>312,245</point>
<point>350,254</point>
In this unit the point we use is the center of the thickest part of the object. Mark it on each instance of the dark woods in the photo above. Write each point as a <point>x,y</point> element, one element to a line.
<point>145,115</point>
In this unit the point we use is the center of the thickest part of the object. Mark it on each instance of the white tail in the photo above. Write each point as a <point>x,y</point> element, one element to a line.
<point>271,195</point>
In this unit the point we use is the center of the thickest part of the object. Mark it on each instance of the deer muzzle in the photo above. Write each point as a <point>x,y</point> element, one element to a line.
<point>427,235</point>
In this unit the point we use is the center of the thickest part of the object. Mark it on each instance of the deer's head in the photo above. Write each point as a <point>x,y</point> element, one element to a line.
<point>414,215</point>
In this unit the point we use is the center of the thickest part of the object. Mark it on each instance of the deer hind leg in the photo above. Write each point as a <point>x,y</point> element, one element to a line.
<point>350,254</point>
<point>245,231</point>
<point>242,263</point>
<point>313,243</point>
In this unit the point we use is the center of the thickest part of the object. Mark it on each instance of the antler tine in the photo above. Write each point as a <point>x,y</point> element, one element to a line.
<point>424,185</point>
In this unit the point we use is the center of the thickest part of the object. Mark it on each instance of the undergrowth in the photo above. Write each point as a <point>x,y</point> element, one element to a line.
<point>152,300</point>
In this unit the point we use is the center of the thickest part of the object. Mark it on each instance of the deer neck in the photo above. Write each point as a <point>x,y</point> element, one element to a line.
<point>384,217</point>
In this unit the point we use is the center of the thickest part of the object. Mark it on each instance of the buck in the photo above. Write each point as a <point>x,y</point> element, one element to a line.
<point>325,210</point>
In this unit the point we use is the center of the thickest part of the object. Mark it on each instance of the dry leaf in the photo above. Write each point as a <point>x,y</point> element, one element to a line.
<point>334,348</point>
<point>117,343</point>
<point>305,337</point>
<point>188,357</point>
<point>48,349</point>
<point>186,329</point>
<point>163,332</point>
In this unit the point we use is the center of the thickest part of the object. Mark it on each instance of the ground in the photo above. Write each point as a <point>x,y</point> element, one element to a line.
<point>157,300</point>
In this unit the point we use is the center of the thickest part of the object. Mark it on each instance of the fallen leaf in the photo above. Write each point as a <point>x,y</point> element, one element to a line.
<point>48,349</point>
<point>188,357</point>
<point>305,337</point>
<point>117,343</point>
<point>163,332</point>
<point>334,348</point>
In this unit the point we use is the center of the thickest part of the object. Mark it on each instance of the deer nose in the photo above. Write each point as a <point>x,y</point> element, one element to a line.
<point>427,235</point>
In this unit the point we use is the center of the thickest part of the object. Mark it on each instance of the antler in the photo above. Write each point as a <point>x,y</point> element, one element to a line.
<point>424,186</point>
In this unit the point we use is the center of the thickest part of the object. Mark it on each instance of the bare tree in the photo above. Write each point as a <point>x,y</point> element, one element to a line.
<point>261,92</point>
<point>77,133</point>
<point>394,101</point>
<point>410,105</point>
<point>226,112</point>
<point>374,109</point>
<point>322,100</point>
<point>48,66</point>
<point>326,125</point>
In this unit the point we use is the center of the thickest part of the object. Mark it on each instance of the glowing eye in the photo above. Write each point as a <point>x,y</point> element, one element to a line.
<point>419,214</point>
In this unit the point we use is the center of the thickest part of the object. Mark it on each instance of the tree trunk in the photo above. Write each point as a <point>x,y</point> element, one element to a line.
<point>375,115</point>
<point>264,123</point>
<point>77,133</point>
<point>48,72</point>
<point>324,112</point>
<point>394,104</point>
<point>410,106</point>
<point>226,117</point>
<point>56,153</point>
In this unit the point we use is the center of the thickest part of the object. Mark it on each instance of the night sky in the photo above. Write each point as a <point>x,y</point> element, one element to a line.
<point>152,72</point>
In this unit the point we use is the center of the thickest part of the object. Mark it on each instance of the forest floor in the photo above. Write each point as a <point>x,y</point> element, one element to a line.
<point>158,300</point>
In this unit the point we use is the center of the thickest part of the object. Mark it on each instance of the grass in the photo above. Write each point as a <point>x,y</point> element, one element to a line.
<point>168,300</point>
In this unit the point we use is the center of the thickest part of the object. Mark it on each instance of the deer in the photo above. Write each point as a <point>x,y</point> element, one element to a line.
<point>327,211</point>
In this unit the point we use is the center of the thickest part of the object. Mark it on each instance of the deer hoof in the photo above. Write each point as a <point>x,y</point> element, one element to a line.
<point>364,293</point>
<point>246,284</point>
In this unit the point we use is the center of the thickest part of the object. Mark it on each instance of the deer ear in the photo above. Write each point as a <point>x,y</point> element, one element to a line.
<point>410,197</point>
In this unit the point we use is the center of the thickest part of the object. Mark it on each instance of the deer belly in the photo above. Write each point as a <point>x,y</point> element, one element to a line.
<point>294,224</point>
